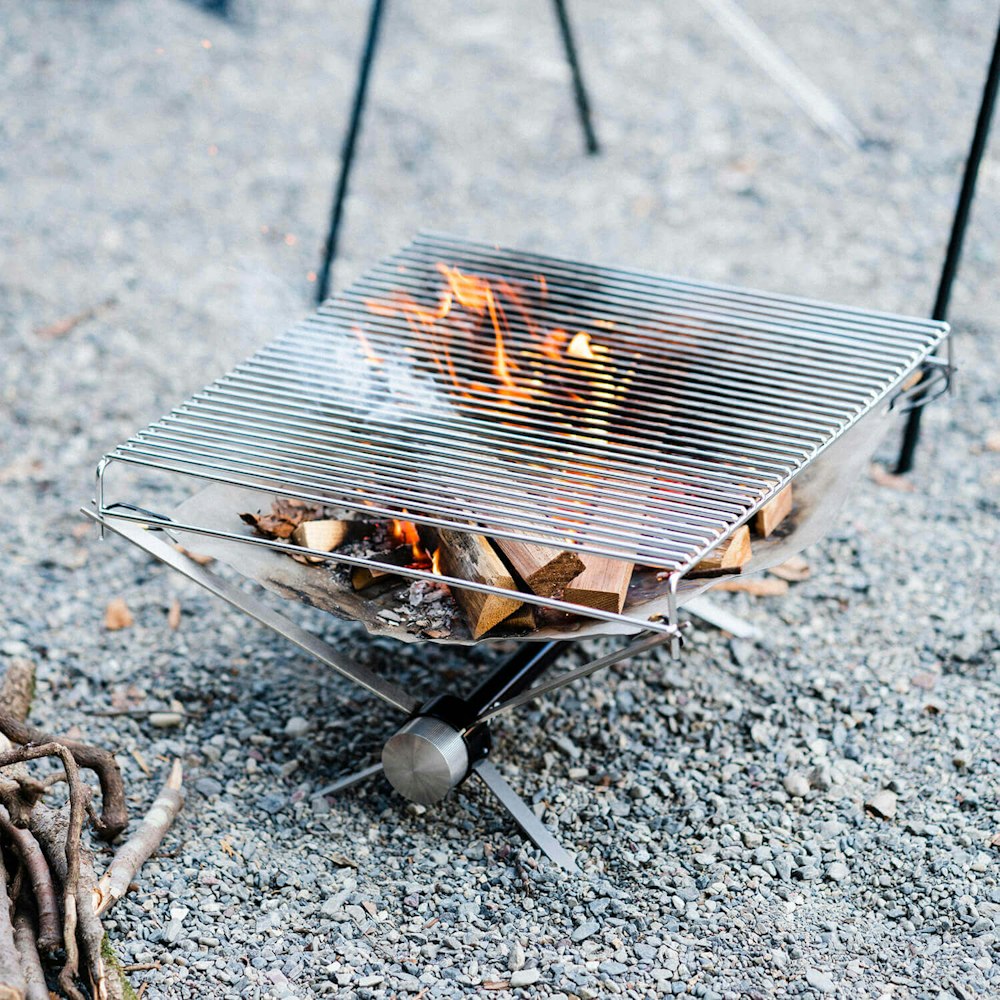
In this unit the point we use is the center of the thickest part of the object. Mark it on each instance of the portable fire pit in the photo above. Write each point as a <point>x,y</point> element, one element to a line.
<point>473,442</point>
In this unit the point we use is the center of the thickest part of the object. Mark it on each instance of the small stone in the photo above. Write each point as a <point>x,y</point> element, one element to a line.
<point>515,960</point>
<point>837,871</point>
<point>297,727</point>
<point>524,977</point>
<point>752,839</point>
<point>882,804</point>
<point>585,930</point>
<point>820,981</point>
<point>164,720</point>
<point>208,787</point>
<point>704,860</point>
<point>796,784</point>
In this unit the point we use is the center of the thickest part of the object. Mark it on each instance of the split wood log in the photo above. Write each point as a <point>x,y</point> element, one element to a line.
<point>27,952</point>
<point>133,854</point>
<point>522,620</point>
<point>728,557</point>
<point>603,584</point>
<point>468,556</point>
<point>114,813</point>
<point>33,860</point>
<point>544,569</point>
<point>774,512</point>
<point>12,983</point>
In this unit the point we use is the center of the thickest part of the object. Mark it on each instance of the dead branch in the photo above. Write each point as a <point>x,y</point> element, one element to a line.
<point>17,688</point>
<point>70,850</point>
<point>114,813</point>
<point>132,855</point>
<point>12,984</point>
<point>27,950</point>
<point>49,935</point>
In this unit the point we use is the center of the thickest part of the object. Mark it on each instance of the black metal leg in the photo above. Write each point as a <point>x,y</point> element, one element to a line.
<point>347,153</point>
<point>959,224</point>
<point>579,91</point>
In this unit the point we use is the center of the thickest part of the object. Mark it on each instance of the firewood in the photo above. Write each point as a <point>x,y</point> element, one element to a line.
<point>522,620</point>
<point>774,512</point>
<point>730,556</point>
<point>468,556</point>
<point>544,569</point>
<point>325,535</point>
<point>603,583</point>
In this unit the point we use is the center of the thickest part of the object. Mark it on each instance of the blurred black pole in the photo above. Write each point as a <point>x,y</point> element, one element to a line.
<point>347,153</point>
<point>912,432</point>
<point>579,91</point>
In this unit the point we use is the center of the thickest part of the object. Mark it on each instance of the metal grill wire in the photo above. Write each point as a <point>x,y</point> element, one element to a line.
<point>698,401</point>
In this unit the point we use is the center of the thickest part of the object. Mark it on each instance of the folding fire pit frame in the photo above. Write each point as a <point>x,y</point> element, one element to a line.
<point>697,404</point>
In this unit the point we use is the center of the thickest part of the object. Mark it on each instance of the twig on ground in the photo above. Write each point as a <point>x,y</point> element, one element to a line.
<point>134,852</point>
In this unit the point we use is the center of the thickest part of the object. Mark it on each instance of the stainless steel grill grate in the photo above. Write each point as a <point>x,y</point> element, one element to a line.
<point>679,409</point>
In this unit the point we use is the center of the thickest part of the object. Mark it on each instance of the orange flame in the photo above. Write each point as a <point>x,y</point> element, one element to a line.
<point>526,359</point>
<point>407,533</point>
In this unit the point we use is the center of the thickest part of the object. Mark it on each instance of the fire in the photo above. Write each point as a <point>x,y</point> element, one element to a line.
<point>407,533</point>
<point>581,348</point>
<point>524,359</point>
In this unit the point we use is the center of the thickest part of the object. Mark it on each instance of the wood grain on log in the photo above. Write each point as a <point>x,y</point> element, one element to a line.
<point>774,512</point>
<point>544,569</point>
<point>603,583</point>
<point>731,555</point>
<point>468,556</point>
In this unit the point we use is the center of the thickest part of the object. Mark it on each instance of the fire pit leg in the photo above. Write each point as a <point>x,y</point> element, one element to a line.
<point>530,824</point>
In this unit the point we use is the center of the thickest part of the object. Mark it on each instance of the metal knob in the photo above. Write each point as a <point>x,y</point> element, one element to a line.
<point>425,760</point>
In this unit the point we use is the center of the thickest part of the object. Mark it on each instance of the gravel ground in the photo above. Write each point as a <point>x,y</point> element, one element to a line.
<point>181,167</point>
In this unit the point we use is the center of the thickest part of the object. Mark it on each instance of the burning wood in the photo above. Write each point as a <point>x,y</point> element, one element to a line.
<point>603,584</point>
<point>468,556</point>
<point>545,570</point>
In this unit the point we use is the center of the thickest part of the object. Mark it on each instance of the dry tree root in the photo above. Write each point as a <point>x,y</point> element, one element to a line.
<point>114,813</point>
<point>12,983</point>
<point>34,863</point>
<point>25,935</point>
<point>49,891</point>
